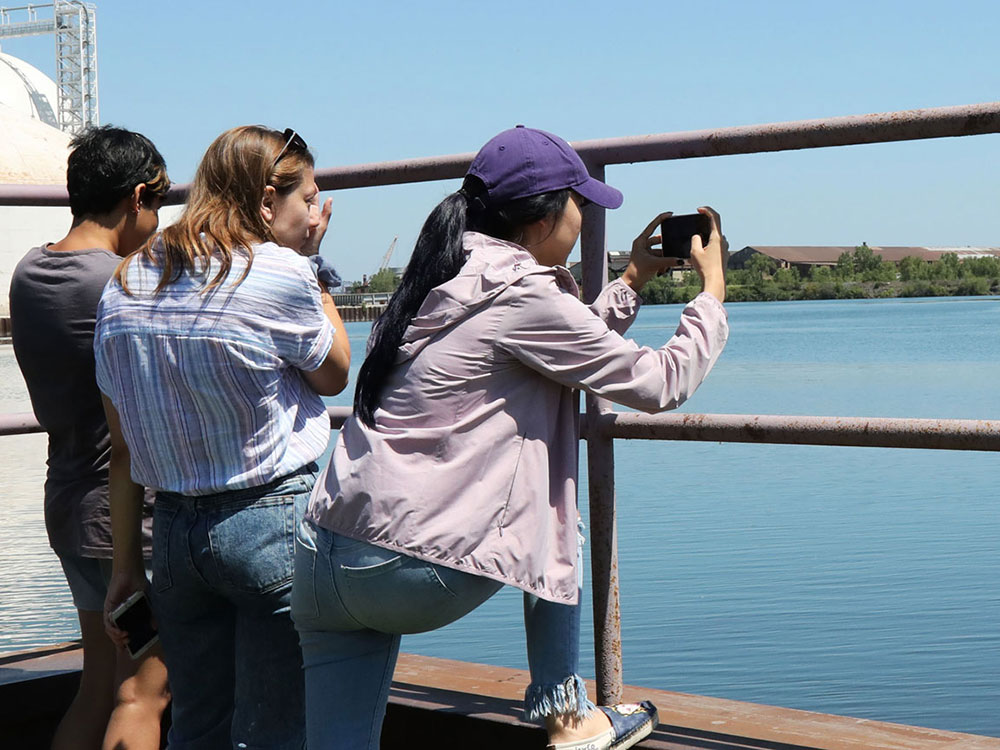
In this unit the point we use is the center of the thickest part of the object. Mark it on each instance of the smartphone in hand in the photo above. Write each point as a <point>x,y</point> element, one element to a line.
<point>135,617</point>
<point>677,232</point>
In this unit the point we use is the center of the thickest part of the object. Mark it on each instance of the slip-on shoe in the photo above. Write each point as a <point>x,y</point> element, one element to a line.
<point>630,722</point>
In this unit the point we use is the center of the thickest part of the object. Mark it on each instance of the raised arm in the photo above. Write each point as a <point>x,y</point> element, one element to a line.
<point>330,378</point>
<point>551,331</point>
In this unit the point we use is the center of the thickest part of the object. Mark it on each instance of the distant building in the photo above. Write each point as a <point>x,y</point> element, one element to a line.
<point>617,263</point>
<point>804,257</point>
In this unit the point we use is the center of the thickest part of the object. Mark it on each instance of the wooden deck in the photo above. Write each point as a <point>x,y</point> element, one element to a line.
<point>465,705</point>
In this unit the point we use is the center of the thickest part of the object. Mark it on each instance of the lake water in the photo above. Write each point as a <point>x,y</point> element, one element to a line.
<point>854,581</point>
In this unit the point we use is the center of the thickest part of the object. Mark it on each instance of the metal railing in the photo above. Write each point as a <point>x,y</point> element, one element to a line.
<point>602,426</point>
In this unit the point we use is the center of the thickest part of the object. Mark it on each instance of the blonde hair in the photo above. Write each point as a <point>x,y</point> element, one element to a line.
<point>222,213</point>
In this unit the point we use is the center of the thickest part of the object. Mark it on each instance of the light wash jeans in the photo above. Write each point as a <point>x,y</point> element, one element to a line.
<point>351,601</point>
<point>222,578</point>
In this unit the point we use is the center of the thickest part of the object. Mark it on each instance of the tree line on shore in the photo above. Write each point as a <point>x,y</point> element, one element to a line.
<point>859,274</point>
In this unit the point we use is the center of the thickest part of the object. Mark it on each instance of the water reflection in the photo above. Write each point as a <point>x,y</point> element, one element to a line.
<point>35,604</point>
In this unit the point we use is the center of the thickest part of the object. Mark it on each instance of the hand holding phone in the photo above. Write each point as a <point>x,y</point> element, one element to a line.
<point>676,233</point>
<point>135,617</point>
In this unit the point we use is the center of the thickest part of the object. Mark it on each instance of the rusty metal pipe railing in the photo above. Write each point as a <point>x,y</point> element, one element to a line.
<point>19,424</point>
<point>850,130</point>
<point>860,432</point>
<point>33,195</point>
<point>864,432</point>
<point>604,564</point>
<point>601,481</point>
<point>26,424</point>
<point>907,125</point>
<point>915,124</point>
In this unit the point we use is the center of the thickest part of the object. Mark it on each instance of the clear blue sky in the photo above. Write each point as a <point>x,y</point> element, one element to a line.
<point>377,81</point>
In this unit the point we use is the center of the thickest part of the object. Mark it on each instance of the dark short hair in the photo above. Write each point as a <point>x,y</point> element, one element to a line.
<point>105,165</point>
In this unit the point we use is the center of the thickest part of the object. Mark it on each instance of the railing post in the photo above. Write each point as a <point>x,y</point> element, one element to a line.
<point>601,480</point>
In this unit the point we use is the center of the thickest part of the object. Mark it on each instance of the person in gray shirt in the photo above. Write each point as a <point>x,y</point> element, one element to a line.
<point>116,181</point>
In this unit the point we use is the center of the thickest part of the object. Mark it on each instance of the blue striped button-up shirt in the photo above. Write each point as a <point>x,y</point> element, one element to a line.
<point>209,386</point>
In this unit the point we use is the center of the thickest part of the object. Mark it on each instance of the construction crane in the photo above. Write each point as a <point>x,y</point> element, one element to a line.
<point>74,24</point>
<point>388,255</point>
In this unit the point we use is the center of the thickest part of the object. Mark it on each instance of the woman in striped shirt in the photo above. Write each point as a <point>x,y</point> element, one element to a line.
<point>214,344</point>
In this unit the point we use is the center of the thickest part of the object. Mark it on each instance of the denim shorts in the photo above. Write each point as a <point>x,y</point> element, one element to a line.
<point>88,579</point>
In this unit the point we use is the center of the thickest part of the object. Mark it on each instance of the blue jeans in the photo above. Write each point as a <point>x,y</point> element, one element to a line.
<point>222,578</point>
<point>351,601</point>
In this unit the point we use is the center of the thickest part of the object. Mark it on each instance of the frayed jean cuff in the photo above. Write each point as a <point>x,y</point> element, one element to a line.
<point>567,697</point>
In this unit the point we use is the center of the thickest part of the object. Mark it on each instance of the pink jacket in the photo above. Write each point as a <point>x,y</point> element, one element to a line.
<point>472,463</point>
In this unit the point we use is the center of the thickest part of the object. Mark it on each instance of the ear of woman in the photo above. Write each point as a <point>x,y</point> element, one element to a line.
<point>135,200</point>
<point>267,205</point>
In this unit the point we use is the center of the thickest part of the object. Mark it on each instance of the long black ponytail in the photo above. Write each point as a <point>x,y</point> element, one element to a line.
<point>437,257</point>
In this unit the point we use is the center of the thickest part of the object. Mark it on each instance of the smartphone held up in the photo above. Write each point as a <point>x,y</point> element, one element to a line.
<point>677,231</point>
<point>135,617</point>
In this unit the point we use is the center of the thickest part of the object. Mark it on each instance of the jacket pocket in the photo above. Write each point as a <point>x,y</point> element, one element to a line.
<point>510,488</point>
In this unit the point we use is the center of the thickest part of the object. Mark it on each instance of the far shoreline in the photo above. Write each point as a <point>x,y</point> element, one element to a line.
<point>870,295</point>
<point>847,291</point>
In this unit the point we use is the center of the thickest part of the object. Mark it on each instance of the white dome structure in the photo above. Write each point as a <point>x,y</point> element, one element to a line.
<point>33,151</point>
<point>27,90</point>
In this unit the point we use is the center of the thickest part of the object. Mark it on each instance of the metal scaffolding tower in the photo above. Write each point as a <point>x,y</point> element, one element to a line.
<point>74,24</point>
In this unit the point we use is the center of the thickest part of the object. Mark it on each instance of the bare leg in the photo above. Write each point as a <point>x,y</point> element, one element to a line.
<point>84,723</point>
<point>570,728</point>
<point>140,700</point>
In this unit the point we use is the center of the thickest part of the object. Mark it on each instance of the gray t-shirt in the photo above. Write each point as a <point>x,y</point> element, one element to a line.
<point>53,307</point>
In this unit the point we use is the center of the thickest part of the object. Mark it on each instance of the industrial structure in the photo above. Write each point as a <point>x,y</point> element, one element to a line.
<point>74,25</point>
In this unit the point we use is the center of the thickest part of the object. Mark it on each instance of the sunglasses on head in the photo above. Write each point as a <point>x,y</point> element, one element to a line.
<point>293,142</point>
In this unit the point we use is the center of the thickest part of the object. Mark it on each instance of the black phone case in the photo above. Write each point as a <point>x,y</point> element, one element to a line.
<point>677,232</point>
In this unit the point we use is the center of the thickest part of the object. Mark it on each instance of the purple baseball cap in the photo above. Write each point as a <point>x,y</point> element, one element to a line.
<point>522,162</point>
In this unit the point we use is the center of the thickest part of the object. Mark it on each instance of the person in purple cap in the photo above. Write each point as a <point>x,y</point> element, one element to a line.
<point>457,472</point>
